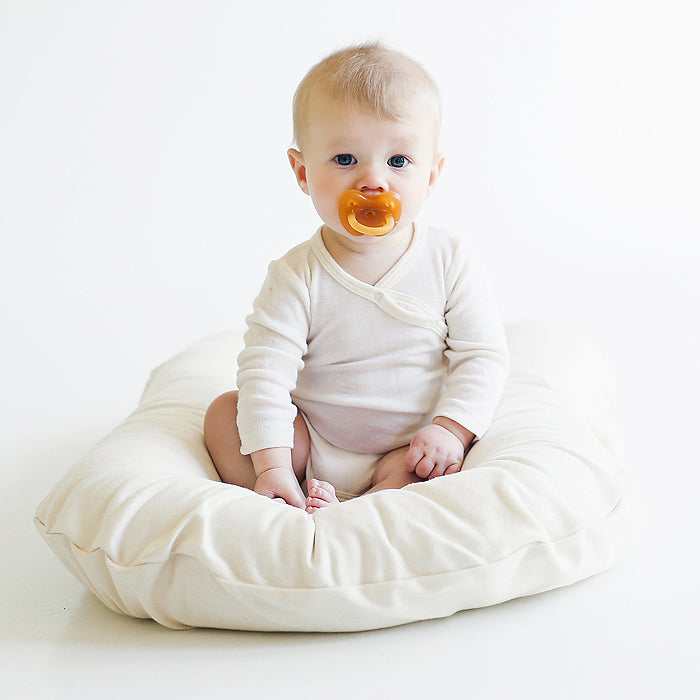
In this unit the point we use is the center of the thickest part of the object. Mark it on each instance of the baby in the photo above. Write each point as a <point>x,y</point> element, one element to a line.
<point>375,354</point>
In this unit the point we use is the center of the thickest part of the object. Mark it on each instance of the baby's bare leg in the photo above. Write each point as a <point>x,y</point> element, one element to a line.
<point>391,472</point>
<point>224,444</point>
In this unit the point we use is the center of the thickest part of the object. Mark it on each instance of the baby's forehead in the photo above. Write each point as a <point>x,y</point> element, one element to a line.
<point>338,118</point>
<point>388,105</point>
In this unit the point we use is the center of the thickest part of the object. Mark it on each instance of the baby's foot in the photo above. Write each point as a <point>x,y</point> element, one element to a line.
<point>321,495</point>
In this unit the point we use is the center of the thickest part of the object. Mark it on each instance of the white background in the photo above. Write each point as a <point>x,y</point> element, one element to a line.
<point>144,187</point>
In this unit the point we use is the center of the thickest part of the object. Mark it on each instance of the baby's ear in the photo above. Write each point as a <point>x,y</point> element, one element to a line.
<point>296,160</point>
<point>438,164</point>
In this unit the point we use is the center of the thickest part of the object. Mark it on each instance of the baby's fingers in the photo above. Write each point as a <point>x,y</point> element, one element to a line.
<point>427,468</point>
<point>412,457</point>
<point>453,468</point>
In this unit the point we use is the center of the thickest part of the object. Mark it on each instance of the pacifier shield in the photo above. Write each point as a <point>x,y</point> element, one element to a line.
<point>369,214</point>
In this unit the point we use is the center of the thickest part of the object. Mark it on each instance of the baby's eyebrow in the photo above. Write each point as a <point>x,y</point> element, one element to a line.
<point>400,145</point>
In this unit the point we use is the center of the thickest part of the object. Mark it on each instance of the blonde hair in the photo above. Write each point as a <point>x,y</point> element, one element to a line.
<point>372,76</point>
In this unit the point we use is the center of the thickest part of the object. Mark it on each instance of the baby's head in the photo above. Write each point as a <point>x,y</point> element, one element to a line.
<point>372,77</point>
<point>367,123</point>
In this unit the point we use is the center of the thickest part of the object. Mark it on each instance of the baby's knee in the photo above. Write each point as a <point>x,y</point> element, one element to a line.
<point>222,411</point>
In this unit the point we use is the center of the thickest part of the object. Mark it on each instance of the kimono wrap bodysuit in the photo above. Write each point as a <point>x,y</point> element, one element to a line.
<point>368,365</point>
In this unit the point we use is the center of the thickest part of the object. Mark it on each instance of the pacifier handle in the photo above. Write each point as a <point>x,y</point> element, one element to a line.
<point>371,230</point>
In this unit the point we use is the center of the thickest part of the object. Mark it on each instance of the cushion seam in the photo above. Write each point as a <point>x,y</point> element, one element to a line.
<point>387,581</point>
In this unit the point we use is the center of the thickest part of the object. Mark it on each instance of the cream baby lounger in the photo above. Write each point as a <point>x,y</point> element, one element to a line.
<point>541,502</point>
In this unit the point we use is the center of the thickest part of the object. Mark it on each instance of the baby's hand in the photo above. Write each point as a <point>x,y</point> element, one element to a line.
<point>434,451</point>
<point>280,483</point>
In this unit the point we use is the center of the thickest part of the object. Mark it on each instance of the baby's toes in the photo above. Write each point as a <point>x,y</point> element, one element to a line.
<point>323,490</point>
<point>321,494</point>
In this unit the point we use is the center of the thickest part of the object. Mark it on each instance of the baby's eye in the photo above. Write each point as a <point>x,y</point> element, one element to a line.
<point>398,161</point>
<point>345,159</point>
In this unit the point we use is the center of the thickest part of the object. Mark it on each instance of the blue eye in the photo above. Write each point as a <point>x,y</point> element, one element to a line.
<point>345,159</point>
<point>398,161</point>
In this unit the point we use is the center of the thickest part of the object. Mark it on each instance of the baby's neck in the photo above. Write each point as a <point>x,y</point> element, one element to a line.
<point>367,259</point>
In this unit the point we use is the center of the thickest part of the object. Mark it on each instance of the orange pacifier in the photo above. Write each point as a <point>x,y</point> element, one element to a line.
<point>369,214</point>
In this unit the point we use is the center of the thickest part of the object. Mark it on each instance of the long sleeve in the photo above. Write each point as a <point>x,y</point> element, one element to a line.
<point>476,352</point>
<point>275,344</point>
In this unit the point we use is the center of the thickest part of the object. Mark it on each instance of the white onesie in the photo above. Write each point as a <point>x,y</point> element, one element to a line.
<point>368,365</point>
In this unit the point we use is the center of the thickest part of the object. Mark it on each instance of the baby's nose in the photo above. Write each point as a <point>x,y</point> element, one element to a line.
<point>371,181</point>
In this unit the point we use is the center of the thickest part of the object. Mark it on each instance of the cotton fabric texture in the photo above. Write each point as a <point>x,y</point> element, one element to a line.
<point>542,502</point>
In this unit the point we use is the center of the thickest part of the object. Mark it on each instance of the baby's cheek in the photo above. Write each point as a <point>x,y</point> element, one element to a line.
<point>325,203</point>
